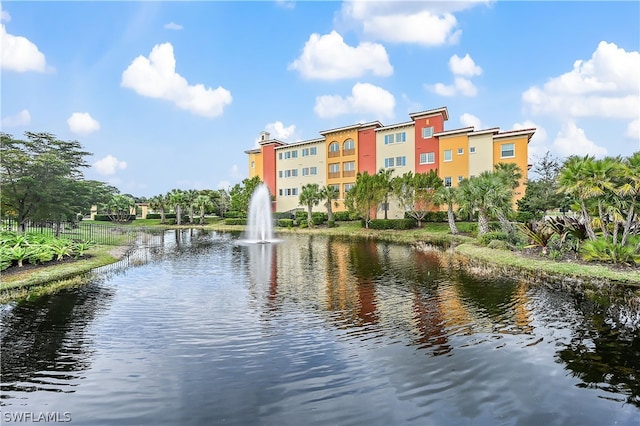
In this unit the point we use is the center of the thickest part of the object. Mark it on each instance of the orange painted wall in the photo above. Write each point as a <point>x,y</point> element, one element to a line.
<point>341,137</point>
<point>520,158</point>
<point>257,169</point>
<point>269,168</point>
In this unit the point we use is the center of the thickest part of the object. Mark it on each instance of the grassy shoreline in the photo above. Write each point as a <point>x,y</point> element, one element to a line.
<point>51,278</point>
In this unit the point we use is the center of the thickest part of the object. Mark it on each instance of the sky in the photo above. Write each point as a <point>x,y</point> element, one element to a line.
<point>170,94</point>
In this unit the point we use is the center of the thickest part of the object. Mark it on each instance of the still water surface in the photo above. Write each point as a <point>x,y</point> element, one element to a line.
<point>315,331</point>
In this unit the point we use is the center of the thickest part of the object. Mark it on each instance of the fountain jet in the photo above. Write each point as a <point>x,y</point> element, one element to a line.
<point>260,225</point>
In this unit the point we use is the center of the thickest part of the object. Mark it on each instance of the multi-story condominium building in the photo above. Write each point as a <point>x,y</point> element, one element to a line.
<point>419,145</point>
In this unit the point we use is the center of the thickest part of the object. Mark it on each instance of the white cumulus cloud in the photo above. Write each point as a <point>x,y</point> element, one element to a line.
<point>328,57</point>
<point>156,77</point>
<point>633,130</point>
<point>109,165</point>
<point>19,53</point>
<point>82,123</point>
<point>173,26</point>
<point>468,120</point>
<point>22,118</point>
<point>365,99</point>
<point>607,85</point>
<point>427,23</point>
<point>571,140</point>
<point>461,68</point>
<point>279,131</point>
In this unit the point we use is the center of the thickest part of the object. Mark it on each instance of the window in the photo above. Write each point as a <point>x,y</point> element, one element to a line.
<point>401,161</point>
<point>253,164</point>
<point>460,178</point>
<point>389,162</point>
<point>448,156</point>
<point>305,171</point>
<point>460,151</point>
<point>447,181</point>
<point>279,156</point>
<point>472,150</point>
<point>313,170</point>
<point>279,173</point>
<point>348,186</point>
<point>336,187</point>
<point>334,147</point>
<point>350,166</point>
<point>349,144</point>
<point>507,150</point>
<point>280,192</point>
<point>401,137</point>
<point>294,191</point>
<point>294,154</point>
<point>287,154</point>
<point>313,151</point>
<point>427,132</point>
<point>388,139</point>
<point>305,152</point>
<point>287,173</point>
<point>334,168</point>
<point>294,172</point>
<point>427,158</point>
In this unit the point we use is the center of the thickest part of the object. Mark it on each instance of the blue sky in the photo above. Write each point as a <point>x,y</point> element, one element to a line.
<point>170,94</point>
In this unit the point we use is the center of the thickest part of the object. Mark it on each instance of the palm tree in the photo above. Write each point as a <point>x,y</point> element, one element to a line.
<point>190,199</point>
<point>329,193</point>
<point>202,202</point>
<point>176,198</point>
<point>574,180</point>
<point>159,203</point>
<point>629,190</point>
<point>310,196</point>
<point>487,193</point>
<point>447,195</point>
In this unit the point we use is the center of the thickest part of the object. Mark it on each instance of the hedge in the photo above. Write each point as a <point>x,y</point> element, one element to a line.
<point>285,223</point>
<point>105,218</point>
<point>235,221</point>
<point>233,214</point>
<point>345,216</point>
<point>167,216</point>
<point>494,235</point>
<point>392,223</point>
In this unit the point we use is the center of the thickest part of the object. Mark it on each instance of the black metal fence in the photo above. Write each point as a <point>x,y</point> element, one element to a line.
<point>109,234</point>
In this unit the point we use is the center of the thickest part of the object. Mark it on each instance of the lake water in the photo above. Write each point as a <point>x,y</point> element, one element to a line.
<point>314,331</point>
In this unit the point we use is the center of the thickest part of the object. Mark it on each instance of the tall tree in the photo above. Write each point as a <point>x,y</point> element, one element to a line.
<point>40,176</point>
<point>364,196</point>
<point>329,194</point>
<point>446,195</point>
<point>541,194</point>
<point>629,191</point>
<point>176,199</point>
<point>310,196</point>
<point>385,183</point>
<point>415,193</point>
<point>202,202</point>
<point>241,194</point>
<point>574,181</point>
<point>119,208</point>
<point>160,203</point>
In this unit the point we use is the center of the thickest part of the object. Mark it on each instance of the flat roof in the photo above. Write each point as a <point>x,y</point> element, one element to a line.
<point>393,126</point>
<point>298,143</point>
<point>442,110</point>
<point>513,133</point>
<point>454,131</point>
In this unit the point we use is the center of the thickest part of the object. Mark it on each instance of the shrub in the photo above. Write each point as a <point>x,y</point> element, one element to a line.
<point>233,214</point>
<point>283,215</point>
<point>392,224</point>
<point>485,239</point>
<point>235,221</point>
<point>602,250</point>
<point>105,218</point>
<point>498,244</point>
<point>303,223</point>
<point>285,223</point>
<point>301,215</point>
<point>331,224</point>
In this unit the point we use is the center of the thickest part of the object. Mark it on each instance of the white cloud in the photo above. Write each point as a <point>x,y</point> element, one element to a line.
<point>571,140</point>
<point>607,85</point>
<point>426,23</point>
<point>328,57</point>
<point>468,120</point>
<point>464,66</point>
<point>156,77</point>
<point>19,53</point>
<point>22,118</point>
<point>173,26</point>
<point>109,165</point>
<point>633,130</point>
<point>365,99</point>
<point>460,85</point>
<point>82,123</point>
<point>279,131</point>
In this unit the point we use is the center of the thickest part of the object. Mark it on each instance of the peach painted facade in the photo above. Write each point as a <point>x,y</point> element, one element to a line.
<point>453,151</point>
<point>367,147</point>
<point>512,147</point>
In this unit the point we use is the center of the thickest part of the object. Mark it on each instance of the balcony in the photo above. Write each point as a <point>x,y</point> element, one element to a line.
<point>334,154</point>
<point>346,152</point>
<point>334,175</point>
<point>349,173</point>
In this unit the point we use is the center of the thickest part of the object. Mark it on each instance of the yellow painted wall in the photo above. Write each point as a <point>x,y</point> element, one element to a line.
<point>520,158</point>
<point>340,137</point>
<point>255,165</point>
<point>459,164</point>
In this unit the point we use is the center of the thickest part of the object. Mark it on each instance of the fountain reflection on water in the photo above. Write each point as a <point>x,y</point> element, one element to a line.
<point>260,224</point>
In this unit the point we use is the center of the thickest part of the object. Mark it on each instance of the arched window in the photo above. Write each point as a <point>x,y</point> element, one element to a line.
<point>334,147</point>
<point>349,145</point>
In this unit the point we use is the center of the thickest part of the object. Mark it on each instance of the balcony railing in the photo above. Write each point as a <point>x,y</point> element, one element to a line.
<point>349,152</point>
<point>334,154</point>
<point>334,175</point>
<point>349,173</point>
